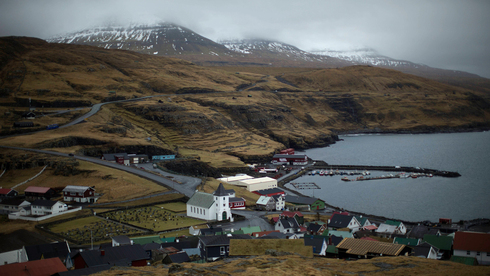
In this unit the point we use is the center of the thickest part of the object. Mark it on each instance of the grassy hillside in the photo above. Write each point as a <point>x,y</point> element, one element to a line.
<point>254,112</point>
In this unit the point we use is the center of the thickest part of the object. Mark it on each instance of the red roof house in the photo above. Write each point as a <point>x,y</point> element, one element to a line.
<point>8,193</point>
<point>44,267</point>
<point>33,193</point>
<point>472,244</point>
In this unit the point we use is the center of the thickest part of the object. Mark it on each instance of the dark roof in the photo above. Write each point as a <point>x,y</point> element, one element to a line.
<point>313,227</point>
<point>222,239</point>
<point>419,231</point>
<point>317,243</point>
<point>276,197</point>
<point>211,231</point>
<point>123,240</point>
<point>335,239</point>
<point>12,201</point>
<point>119,255</point>
<point>111,156</point>
<point>178,258</point>
<point>274,235</point>
<point>236,199</point>
<point>422,250</point>
<point>85,271</point>
<point>33,268</point>
<point>43,202</point>
<point>48,250</point>
<point>289,222</point>
<point>339,221</point>
<point>300,200</point>
<point>151,246</point>
<point>220,191</point>
<point>179,245</point>
<point>269,191</point>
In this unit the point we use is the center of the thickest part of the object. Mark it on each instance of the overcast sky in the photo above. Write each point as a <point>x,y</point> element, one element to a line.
<point>445,34</point>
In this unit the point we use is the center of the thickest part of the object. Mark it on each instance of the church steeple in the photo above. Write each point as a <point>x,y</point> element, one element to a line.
<point>220,191</point>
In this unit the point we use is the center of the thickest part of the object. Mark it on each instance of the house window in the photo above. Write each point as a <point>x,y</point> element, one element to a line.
<point>204,211</point>
<point>478,253</point>
<point>488,254</point>
<point>468,252</point>
<point>222,250</point>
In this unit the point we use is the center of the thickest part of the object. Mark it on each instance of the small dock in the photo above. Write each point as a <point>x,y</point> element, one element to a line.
<point>303,186</point>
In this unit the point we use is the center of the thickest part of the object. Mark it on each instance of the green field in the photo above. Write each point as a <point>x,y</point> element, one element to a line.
<point>155,218</point>
<point>83,229</point>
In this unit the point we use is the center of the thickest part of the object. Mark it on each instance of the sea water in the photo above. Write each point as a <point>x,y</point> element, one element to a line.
<point>462,198</point>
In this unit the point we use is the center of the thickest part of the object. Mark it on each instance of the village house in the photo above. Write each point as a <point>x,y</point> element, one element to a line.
<point>307,203</point>
<point>318,243</point>
<point>216,247</point>
<point>364,222</point>
<point>287,225</point>
<point>386,230</point>
<point>176,258</point>
<point>8,193</point>
<point>81,194</point>
<point>400,227</point>
<point>290,159</point>
<point>472,244</point>
<point>60,250</point>
<point>265,203</point>
<point>121,241</point>
<point>33,193</point>
<point>297,215</point>
<point>48,266</point>
<point>127,255</point>
<point>443,243</point>
<point>359,248</point>
<point>43,207</point>
<point>338,221</point>
<point>12,205</point>
<point>425,250</point>
<point>419,231</point>
<point>316,229</point>
<point>237,203</point>
<point>406,241</point>
<point>196,229</point>
<point>125,159</point>
<point>209,207</point>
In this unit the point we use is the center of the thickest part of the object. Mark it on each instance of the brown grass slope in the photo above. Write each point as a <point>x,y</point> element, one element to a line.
<point>275,107</point>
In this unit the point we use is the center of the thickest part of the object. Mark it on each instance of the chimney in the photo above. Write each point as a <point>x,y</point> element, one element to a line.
<point>102,252</point>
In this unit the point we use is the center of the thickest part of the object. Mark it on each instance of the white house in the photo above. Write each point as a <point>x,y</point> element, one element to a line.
<point>214,206</point>
<point>12,205</point>
<point>287,225</point>
<point>400,227</point>
<point>386,230</point>
<point>472,244</point>
<point>41,207</point>
<point>338,221</point>
<point>280,202</point>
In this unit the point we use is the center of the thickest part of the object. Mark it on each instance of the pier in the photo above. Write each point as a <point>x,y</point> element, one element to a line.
<point>320,165</point>
<point>301,186</point>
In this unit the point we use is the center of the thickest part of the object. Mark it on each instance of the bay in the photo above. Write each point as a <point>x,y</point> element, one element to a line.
<point>462,198</point>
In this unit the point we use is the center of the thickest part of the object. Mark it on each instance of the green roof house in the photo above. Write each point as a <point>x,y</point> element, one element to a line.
<point>406,241</point>
<point>400,227</point>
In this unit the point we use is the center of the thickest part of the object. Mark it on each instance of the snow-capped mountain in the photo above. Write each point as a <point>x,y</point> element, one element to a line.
<point>168,39</point>
<point>364,56</point>
<point>159,39</point>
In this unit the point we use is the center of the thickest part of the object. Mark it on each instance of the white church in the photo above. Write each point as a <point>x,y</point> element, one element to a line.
<point>214,206</point>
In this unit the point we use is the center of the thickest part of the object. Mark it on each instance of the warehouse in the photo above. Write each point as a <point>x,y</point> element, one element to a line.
<point>255,184</point>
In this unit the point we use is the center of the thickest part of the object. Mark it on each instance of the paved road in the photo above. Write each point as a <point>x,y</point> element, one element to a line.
<point>187,187</point>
